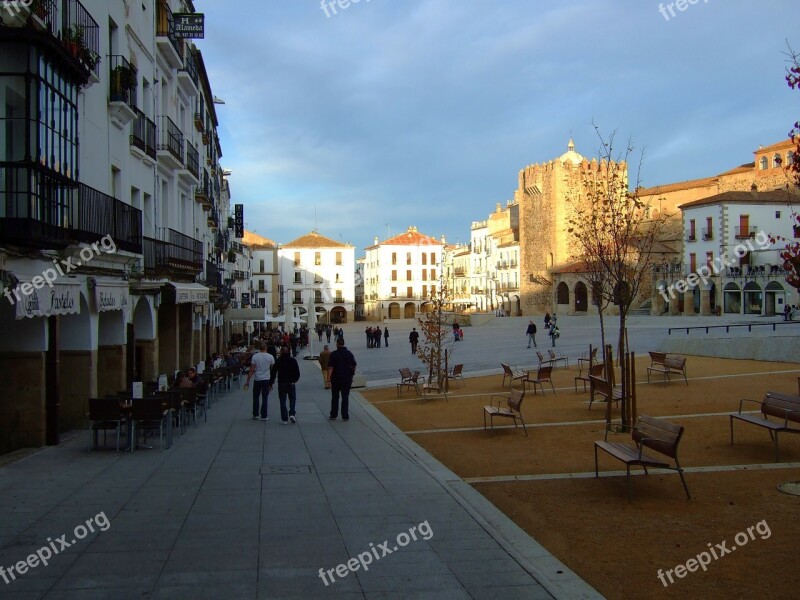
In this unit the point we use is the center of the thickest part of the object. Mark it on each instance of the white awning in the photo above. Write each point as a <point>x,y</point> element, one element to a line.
<point>190,292</point>
<point>63,298</point>
<point>111,295</point>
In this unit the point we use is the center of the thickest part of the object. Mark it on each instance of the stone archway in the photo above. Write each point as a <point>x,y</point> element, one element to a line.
<point>409,310</point>
<point>581,297</point>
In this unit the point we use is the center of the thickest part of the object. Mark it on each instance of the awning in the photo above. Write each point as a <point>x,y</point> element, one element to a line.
<point>63,298</point>
<point>111,295</point>
<point>190,292</point>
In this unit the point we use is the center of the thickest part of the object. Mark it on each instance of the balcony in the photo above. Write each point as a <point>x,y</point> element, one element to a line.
<point>122,91</point>
<point>213,276</point>
<point>191,172</point>
<point>41,212</point>
<point>708,234</point>
<point>200,110</point>
<point>213,220</point>
<point>240,275</point>
<point>98,214</point>
<point>143,138</point>
<point>202,192</point>
<point>170,144</point>
<point>743,233</point>
<point>691,236</point>
<point>187,75</point>
<point>170,46</point>
<point>177,255</point>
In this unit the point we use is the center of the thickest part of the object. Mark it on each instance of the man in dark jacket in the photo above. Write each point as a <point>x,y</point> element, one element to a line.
<point>531,333</point>
<point>341,368</point>
<point>413,338</point>
<point>287,372</point>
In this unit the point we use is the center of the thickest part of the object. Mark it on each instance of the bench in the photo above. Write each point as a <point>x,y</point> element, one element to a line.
<point>587,357</point>
<point>543,375</point>
<point>457,373</point>
<point>511,374</point>
<point>432,389</point>
<point>409,380</point>
<point>596,371</point>
<point>784,407</point>
<point>512,410</point>
<point>544,362</point>
<point>652,433</point>
<point>669,365</point>
<point>554,358</point>
<point>598,385</point>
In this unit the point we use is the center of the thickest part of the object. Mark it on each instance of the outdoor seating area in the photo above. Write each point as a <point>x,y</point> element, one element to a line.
<point>158,412</point>
<point>667,364</point>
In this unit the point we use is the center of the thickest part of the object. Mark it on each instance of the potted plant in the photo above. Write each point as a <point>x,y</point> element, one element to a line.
<point>74,40</point>
<point>90,58</point>
<point>123,79</point>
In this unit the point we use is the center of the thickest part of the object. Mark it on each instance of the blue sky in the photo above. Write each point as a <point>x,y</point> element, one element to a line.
<point>392,113</point>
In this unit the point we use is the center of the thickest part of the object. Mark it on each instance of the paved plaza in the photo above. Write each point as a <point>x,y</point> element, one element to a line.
<point>245,509</point>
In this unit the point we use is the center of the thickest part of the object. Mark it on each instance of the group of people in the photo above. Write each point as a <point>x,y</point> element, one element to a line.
<point>788,312</point>
<point>374,335</point>
<point>551,324</point>
<point>328,330</point>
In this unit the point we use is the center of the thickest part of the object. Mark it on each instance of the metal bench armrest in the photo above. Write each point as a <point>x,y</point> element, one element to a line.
<point>743,400</point>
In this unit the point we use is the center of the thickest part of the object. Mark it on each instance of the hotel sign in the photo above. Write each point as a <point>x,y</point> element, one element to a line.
<point>238,221</point>
<point>189,25</point>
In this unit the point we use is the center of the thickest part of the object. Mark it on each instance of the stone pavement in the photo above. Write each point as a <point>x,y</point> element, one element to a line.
<point>246,509</point>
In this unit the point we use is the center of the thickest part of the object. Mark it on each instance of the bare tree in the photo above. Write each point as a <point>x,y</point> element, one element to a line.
<point>614,230</point>
<point>437,339</point>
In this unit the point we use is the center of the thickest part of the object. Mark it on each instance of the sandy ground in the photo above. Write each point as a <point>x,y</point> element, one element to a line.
<point>618,547</point>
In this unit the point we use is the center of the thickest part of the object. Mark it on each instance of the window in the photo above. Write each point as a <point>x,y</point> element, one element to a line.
<point>433,274</point>
<point>424,275</point>
<point>776,161</point>
<point>339,298</point>
<point>318,296</point>
<point>317,258</point>
<point>296,259</point>
<point>298,277</point>
<point>408,258</point>
<point>433,258</point>
<point>777,214</point>
<point>424,291</point>
<point>394,292</point>
<point>408,275</point>
<point>338,259</point>
<point>708,234</point>
<point>394,275</point>
<point>710,260</point>
<point>424,259</point>
<point>298,297</point>
<point>261,286</point>
<point>261,266</point>
<point>692,231</point>
<point>764,163</point>
<point>394,258</point>
<point>692,262</point>
<point>433,291</point>
<point>789,158</point>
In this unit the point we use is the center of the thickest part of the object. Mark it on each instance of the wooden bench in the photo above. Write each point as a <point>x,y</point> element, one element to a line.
<point>598,385</point>
<point>543,375</point>
<point>657,358</point>
<point>596,371</point>
<point>784,407</point>
<point>409,380</point>
<point>657,435</point>
<point>434,390</point>
<point>554,358</point>
<point>670,364</point>
<point>457,373</point>
<point>512,410</point>
<point>587,357</point>
<point>544,362</point>
<point>511,374</point>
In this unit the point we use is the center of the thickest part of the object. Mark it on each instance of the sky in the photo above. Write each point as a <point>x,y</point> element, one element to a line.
<point>362,121</point>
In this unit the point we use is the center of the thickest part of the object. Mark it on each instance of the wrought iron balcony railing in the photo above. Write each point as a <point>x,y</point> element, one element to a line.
<point>123,81</point>
<point>170,138</point>
<point>143,134</point>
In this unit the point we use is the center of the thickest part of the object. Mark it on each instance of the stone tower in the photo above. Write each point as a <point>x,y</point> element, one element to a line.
<point>544,194</point>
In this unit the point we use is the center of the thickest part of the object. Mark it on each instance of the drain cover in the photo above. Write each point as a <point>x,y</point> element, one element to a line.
<point>790,487</point>
<point>286,470</point>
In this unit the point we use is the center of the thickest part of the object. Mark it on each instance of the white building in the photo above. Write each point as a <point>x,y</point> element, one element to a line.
<point>480,294</point>
<point>316,267</point>
<point>401,274</point>
<point>727,235</point>
<point>264,280</point>
<point>133,160</point>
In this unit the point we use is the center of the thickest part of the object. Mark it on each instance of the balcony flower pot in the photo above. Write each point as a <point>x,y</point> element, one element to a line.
<point>74,40</point>
<point>123,80</point>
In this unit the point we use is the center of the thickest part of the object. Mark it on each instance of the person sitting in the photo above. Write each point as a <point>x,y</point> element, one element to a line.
<point>181,381</point>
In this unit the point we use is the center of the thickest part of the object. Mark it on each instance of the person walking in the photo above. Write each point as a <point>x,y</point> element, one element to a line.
<point>547,320</point>
<point>554,333</point>
<point>287,372</point>
<point>328,333</point>
<point>324,358</point>
<point>368,333</point>
<point>341,368</point>
<point>260,367</point>
<point>413,339</point>
<point>378,335</point>
<point>386,336</point>
<point>531,333</point>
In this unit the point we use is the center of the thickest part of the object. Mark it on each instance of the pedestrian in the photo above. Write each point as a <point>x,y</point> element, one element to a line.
<point>341,368</point>
<point>287,372</point>
<point>786,310</point>
<point>531,333</point>
<point>378,336</point>
<point>328,333</point>
<point>368,333</point>
<point>386,336</point>
<point>319,331</point>
<point>260,367</point>
<point>324,357</point>
<point>413,338</point>
<point>293,341</point>
<point>547,320</point>
<point>554,333</point>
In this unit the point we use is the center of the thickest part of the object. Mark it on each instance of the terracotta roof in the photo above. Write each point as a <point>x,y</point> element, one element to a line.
<point>254,240</point>
<point>787,143</point>
<point>681,185</point>
<point>577,267</point>
<point>740,169</point>
<point>770,197</point>
<point>411,237</point>
<point>315,240</point>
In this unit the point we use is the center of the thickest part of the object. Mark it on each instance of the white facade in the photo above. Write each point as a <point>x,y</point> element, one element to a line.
<point>479,266</point>
<point>318,269</point>
<point>401,274</point>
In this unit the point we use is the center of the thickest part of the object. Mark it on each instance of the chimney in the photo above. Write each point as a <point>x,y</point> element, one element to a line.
<point>376,241</point>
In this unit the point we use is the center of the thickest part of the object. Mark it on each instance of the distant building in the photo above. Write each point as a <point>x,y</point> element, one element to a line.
<point>401,274</point>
